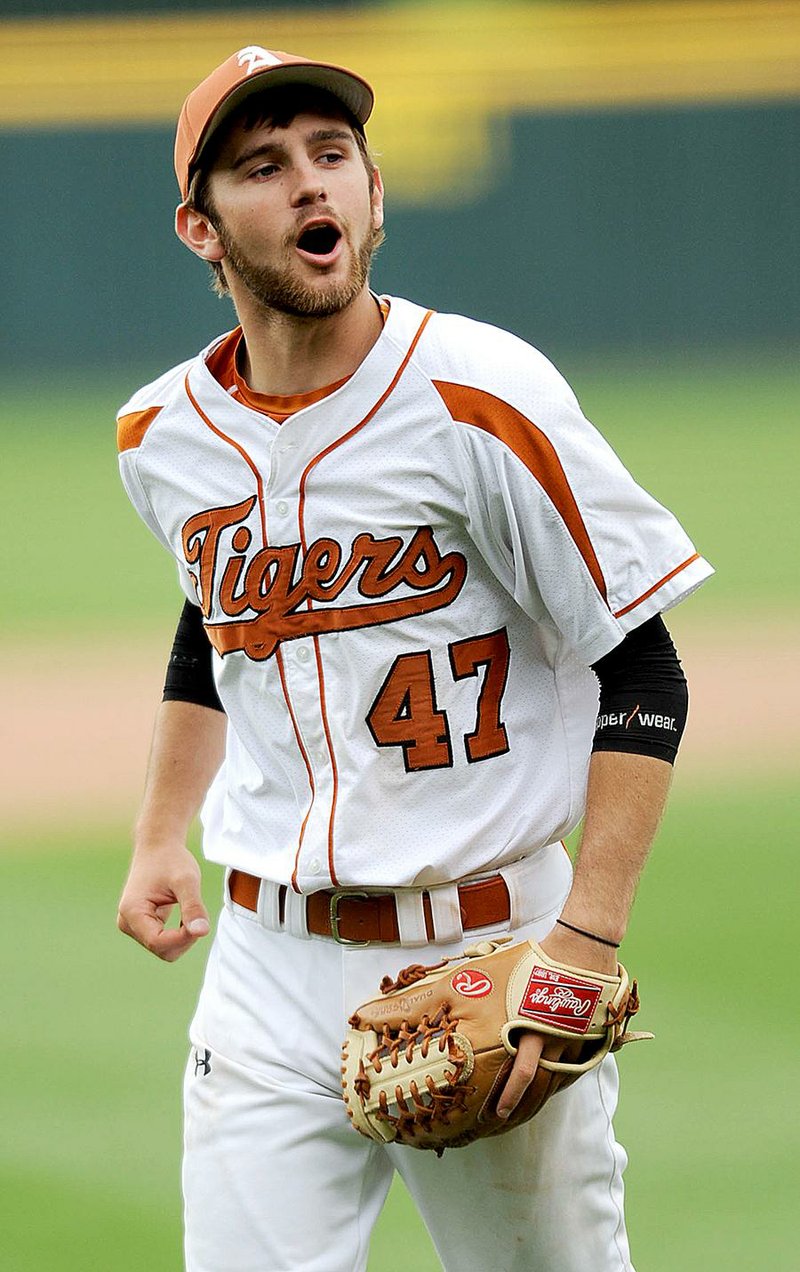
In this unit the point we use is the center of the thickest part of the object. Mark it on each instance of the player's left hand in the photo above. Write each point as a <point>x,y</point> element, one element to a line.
<point>577,951</point>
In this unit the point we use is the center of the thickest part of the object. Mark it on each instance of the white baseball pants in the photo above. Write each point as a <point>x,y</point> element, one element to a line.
<point>275,1178</point>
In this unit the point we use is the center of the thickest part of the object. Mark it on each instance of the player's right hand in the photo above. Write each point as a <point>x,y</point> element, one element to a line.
<point>159,879</point>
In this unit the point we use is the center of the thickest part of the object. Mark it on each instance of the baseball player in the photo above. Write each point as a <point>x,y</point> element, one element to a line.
<point>421,640</point>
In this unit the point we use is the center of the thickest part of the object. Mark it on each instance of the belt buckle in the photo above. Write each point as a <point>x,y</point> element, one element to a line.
<point>336,897</point>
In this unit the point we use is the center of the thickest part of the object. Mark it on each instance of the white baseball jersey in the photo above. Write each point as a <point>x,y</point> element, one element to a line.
<point>405,585</point>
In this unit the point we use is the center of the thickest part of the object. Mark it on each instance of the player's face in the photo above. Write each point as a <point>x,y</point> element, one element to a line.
<point>295,215</point>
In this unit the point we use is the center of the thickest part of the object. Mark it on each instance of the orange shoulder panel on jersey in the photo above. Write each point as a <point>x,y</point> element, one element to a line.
<point>532,446</point>
<point>132,428</point>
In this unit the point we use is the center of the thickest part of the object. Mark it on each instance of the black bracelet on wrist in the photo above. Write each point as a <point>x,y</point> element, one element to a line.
<point>601,940</point>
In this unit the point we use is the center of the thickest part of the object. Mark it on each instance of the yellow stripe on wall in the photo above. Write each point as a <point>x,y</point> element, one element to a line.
<point>446,75</point>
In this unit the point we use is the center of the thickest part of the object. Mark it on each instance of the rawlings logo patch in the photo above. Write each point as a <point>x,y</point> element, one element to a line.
<point>556,998</point>
<point>471,983</point>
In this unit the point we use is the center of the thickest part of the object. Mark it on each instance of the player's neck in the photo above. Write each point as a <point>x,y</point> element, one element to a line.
<point>285,355</point>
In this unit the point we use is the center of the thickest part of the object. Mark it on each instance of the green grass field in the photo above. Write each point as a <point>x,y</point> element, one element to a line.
<point>94,1049</point>
<point>93,1036</point>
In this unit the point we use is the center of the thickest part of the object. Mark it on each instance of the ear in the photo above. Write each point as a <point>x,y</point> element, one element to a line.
<point>377,200</point>
<point>197,232</point>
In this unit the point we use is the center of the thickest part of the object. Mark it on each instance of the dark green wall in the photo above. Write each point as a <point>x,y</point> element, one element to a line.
<point>131,8</point>
<point>624,229</point>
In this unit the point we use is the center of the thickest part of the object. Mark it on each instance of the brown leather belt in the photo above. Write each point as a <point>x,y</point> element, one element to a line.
<point>357,918</point>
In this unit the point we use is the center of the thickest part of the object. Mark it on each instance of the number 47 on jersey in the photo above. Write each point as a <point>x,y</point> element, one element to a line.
<point>406,713</point>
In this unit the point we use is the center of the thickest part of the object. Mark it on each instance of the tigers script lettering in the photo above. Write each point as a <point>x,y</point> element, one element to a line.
<point>279,586</point>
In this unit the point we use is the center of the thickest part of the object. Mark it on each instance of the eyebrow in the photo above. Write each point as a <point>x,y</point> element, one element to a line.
<point>270,147</point>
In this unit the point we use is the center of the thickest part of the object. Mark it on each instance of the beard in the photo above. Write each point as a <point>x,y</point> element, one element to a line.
<point>278,288</point>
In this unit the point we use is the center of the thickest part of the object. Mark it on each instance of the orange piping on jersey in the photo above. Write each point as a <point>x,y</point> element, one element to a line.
<point>132,428</point>
<point>493,415</point>
<point>241,451</point>
<point>260,489</point>
<point>221,362</point>
<point>356,427</point>
<point>334,769</point>
<point>299,740</point>
<point>301,510</point>
<point>656,586</point>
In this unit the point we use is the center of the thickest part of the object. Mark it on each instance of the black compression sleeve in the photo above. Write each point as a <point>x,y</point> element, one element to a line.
<point>644,698</point>
<point>189,675</point>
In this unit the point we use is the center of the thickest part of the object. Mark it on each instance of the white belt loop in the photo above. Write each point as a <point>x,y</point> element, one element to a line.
<point>537,885</point>
<point>226,893</point>
<point>294,917</point>
<point>411,917</point>
<point>446,914</point>
<point>268,905</point>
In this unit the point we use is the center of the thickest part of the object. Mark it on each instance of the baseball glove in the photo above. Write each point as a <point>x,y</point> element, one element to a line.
<point>425,1063</point>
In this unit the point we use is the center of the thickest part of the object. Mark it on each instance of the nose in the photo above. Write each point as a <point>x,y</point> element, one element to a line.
<point>309,185</point>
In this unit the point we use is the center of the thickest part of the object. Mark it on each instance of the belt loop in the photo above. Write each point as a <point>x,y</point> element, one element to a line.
<point>446,913</point>
<point>537,884</point>
<point>411,917</point>
<point>268,905</point>
<point>294,915</point>
<point>226,889</point>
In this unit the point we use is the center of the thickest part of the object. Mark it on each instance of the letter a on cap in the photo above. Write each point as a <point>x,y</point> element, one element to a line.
<point>256,58</point>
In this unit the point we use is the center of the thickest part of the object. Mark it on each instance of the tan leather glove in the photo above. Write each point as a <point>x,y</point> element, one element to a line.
<point>424,1064</point>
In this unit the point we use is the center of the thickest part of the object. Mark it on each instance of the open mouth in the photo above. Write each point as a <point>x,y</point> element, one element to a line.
<point>319,240</point>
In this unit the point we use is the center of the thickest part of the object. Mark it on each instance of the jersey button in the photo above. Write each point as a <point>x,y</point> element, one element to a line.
<point>303,654</point>
<point>281,507</point>
<point>315,865</point>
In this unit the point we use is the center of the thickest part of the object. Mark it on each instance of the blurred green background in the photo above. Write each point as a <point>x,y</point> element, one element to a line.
<point>620,187</point>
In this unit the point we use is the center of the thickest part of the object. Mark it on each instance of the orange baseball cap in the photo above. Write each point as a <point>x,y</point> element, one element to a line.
<point>249,71</point>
